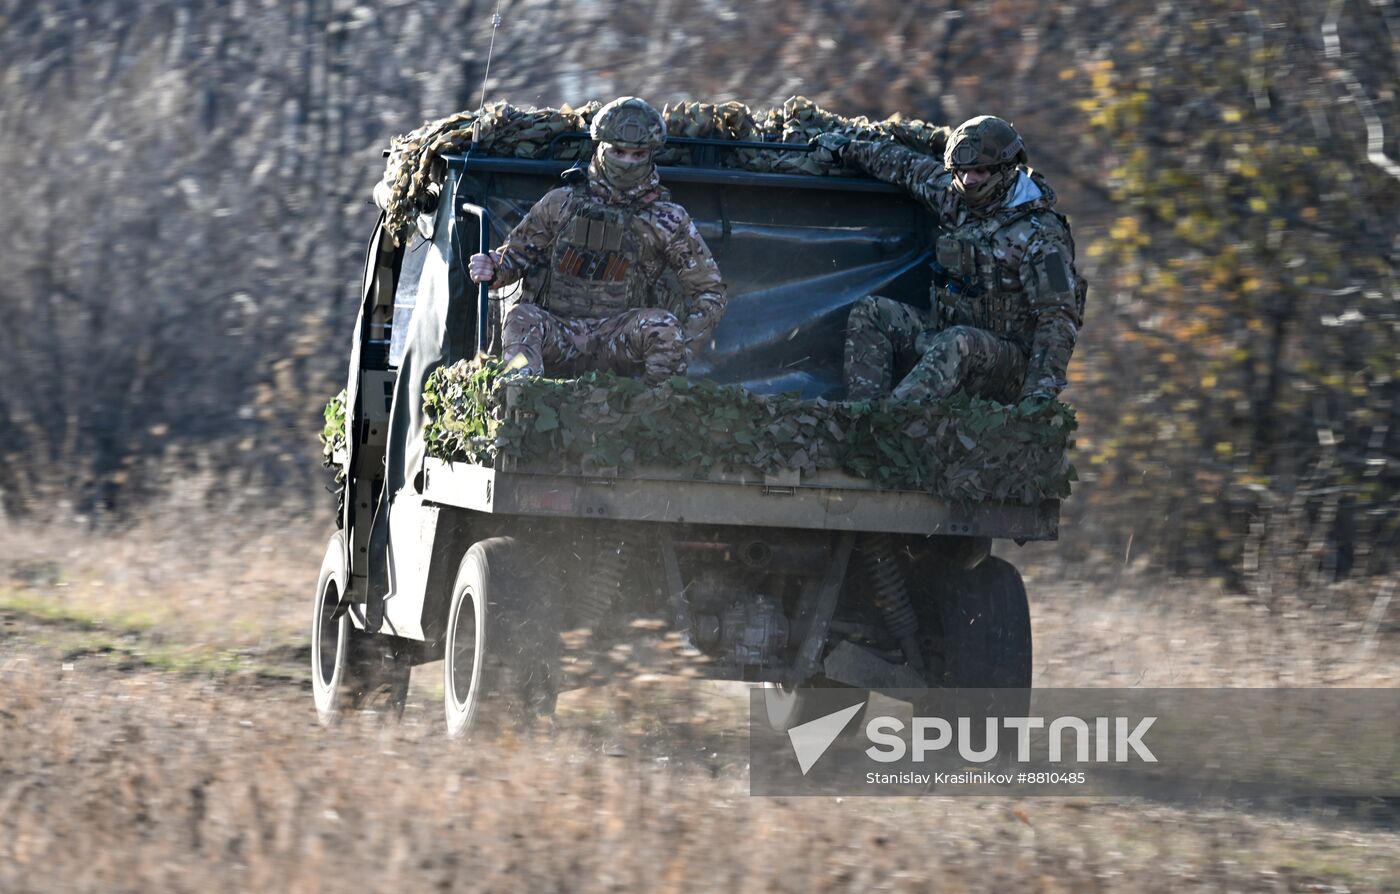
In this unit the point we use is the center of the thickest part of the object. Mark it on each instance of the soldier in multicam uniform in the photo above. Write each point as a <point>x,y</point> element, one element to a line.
<point>592,255</point>
<point>1006,304</point>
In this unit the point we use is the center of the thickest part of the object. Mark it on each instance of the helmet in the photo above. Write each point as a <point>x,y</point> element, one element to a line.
<point>629,122</point>
<point>985,142</point>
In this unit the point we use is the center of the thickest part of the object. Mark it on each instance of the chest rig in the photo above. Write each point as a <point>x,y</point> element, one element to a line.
<point>593,266</point>
<point>972,286</point>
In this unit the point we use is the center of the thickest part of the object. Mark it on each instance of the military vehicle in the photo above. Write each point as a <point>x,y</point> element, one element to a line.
<point>790,580</point>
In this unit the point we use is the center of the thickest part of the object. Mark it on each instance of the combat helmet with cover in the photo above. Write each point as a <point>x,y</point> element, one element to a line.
<point>985,142</point>
<point>630,122</point>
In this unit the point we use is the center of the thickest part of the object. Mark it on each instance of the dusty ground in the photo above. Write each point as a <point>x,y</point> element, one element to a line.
<point>156,735</point>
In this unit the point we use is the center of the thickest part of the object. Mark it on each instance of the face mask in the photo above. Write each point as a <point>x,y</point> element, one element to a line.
<point>990,190</point>
<point>622,175</point>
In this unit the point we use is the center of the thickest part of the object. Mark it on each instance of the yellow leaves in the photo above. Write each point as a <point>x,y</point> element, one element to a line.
<point>1167,357</point>
<point>1252,284</point>
<point>1258,204</point>
<point>1248,168</point>
<point>1224,449</point>
<point>1208,381</point>
<point>1097,249</point>
<point>1231,115</point>
<point>1127,230</point>
<point>1067,74</point>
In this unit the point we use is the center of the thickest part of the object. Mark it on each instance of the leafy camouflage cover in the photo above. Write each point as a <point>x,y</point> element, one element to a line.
<point>414,166</point>
<point>963,449</point>
<point>333,431</point>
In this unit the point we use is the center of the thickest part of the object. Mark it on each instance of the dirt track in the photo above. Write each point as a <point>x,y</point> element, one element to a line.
<point>116,775</point>
<point>156,735</point>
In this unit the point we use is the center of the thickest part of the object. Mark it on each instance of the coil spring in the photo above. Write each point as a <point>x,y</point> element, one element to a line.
<point>604,581</point>
<point>891,595</point>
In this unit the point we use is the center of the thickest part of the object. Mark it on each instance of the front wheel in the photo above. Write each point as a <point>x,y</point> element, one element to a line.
<point>501,638</point>
<point>351,669</point>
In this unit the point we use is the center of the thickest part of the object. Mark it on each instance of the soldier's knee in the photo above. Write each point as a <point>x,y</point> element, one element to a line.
<point>659,327</point>
<point>949,351</point>
<point>864,313</point>
<point>955,341</point>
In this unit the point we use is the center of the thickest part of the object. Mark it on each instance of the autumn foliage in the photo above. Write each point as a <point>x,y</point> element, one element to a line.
<point>188,189</point>
<point>1254,343</point>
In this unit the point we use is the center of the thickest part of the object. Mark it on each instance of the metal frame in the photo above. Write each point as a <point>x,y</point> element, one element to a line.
<point>683,174</point>
<point>828,501</point>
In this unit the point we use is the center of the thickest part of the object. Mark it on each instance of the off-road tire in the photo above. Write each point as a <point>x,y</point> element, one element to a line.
<point>502,641</point>
<point>975,626</point>
<point>351,670</point>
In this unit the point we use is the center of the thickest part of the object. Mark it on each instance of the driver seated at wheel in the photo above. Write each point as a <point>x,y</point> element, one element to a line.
<point>592,255</point>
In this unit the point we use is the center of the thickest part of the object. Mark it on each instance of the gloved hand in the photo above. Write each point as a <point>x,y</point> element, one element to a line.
<point>481,267</point>
<point>1033,402</point>
<point>829,148</point>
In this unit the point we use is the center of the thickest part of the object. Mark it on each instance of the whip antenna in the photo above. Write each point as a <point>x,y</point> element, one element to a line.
<point>490,50</point>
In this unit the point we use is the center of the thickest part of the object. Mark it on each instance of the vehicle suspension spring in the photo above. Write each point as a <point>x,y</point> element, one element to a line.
<point>891,596</point>
<point>604,582</point>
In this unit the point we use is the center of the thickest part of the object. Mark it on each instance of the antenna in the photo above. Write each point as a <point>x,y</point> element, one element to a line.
<point>490,50</point>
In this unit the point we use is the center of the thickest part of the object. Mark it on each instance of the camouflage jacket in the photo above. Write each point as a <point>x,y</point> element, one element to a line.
<point>1010,271</point>
<point>586,251</point>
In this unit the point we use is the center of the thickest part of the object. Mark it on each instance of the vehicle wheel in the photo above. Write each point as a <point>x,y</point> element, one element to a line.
<point>501,641</point>
<point>976,633</point>
<point>351,669</point>
<point>976,627</point>
<point>790,706</point>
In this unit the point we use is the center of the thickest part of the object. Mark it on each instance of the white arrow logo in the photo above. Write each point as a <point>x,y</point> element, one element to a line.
<point>810,740</point>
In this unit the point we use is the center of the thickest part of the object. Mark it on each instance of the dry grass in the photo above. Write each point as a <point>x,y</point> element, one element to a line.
<point>117,776</point>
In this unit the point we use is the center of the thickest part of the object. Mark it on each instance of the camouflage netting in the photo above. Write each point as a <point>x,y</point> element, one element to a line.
<point>963,450</point>
<point>414,169</point>
<point>333,432</point>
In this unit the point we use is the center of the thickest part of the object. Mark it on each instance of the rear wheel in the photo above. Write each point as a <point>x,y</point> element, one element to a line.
<point>976,638</point>
<point>976,627</point>
<point>501,642</point>
<point>351,669</point>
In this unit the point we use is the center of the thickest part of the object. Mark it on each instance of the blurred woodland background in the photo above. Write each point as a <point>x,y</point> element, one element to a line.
<point>186,194</point>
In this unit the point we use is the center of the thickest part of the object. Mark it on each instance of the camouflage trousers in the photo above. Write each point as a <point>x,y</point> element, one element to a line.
<point>891,349</point>
<point>646,340</point>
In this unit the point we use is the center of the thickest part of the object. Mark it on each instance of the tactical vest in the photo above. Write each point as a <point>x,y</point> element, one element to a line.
<point>593,269</point>
<point>972,286</point>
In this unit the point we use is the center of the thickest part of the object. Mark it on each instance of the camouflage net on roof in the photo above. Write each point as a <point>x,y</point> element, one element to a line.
<point>963,450</point>
<point>415,168</point>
